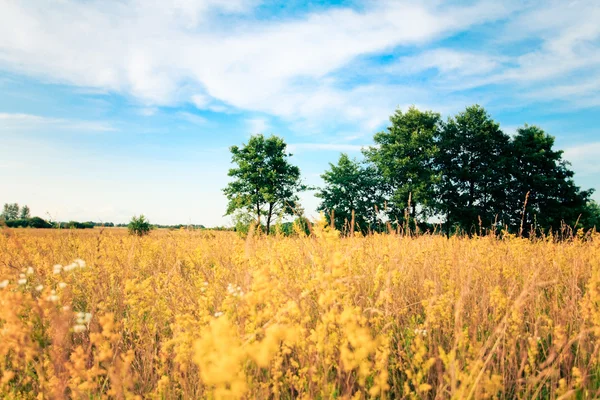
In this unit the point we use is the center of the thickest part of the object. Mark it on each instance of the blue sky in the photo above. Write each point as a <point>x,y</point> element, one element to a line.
<point>112,108</point>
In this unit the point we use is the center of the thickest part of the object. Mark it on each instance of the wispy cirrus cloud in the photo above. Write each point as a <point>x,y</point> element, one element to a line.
<point>192,118</point>
<point>23,122</point>
<point>584,158</point>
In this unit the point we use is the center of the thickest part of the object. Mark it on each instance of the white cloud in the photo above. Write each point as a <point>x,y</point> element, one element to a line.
<point>257,125</point>
<point>163,53</point>
<point>148,111</point>
<point>192,118</point>
<point>447,61</point>
<point>584,158</point>
<point>566,63</point>
<point>201,101</point>
<point>20,122</point>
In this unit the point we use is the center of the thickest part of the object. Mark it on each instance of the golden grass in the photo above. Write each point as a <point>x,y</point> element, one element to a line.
<point>208,315</point>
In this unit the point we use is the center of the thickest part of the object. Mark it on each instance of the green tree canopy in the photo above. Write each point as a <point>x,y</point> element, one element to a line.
<point>540,173</point>
<point>473,165</point>
<point>264,182</point>
<point>350,186</point>
<point>404,153</point>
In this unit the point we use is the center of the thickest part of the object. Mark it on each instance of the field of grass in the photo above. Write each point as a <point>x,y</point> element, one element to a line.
<point>196,314</point>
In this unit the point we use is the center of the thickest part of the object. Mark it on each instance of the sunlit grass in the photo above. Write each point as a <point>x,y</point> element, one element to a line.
<point>192,314</point>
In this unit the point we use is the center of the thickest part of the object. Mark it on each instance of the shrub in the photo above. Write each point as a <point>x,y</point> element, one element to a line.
<point>37,222</point>
<point>139,226</point>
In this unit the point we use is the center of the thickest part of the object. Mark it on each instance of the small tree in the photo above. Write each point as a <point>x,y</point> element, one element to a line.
<point>10,212</point>
<point>25,213</point>
<point>354,193</point>
<point>139,226</point>
<point>264,182</point>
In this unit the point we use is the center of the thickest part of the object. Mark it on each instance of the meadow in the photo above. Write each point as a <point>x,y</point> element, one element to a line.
<point>198,314</point>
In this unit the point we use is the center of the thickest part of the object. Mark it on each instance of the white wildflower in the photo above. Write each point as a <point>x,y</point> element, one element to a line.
<point>53,297</point>
<point>39,288</point>
<point>4,284</point>
<point>56,269</point>
<point>80,263</point>
<point>62,285</point>
<point>30,271</point>
<point>22,281</point>
<point>79,328</point>
<point>70,267</point>
<point>21,276</point>
<point>218,314</point>
<point>235,291</point>
<point>88,317</point>
<point>205,283</point>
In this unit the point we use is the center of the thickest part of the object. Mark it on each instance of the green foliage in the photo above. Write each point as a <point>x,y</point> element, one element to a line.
<point>299,227</point>
<point>350,186</point>
<point>470,175</point>
<point>404,154</point>
<point>242,221</point>
<point>473,166</point>
<point>139,226</point>
<point>35,222</point>
<point>264,182</point>
<point>540,174</point>
<point>591,215</point>
<point>10,212</point>
<point>39,223</point>
<point>25,213</point>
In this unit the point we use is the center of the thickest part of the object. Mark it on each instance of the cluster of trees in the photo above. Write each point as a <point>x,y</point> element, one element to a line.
<point>15,216</point>
<point>463,174</point>
<point>12,212</point>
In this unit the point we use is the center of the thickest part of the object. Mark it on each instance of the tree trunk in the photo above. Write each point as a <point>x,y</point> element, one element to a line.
<point>258,216</point>
<point>269,218</point>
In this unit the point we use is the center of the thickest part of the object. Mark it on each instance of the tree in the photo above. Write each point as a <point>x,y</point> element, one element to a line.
<point>10,211</point>
<point>139,226</point>
<point>540,174</point>
<point>591,216</point>
<point>473,166</point>
<point>264,182</point>
<point>404,153</point>
<point>350,187</point>
<point>25,213</point>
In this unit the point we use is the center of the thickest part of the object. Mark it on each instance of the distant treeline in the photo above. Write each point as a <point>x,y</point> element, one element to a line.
<point>14,216</point>
<point>40,223</point>
<point>176,226</point>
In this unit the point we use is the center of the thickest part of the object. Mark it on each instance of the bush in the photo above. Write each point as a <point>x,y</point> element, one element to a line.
<point>35,222</point>
<point>300,225</point>
<point>139,226</point>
